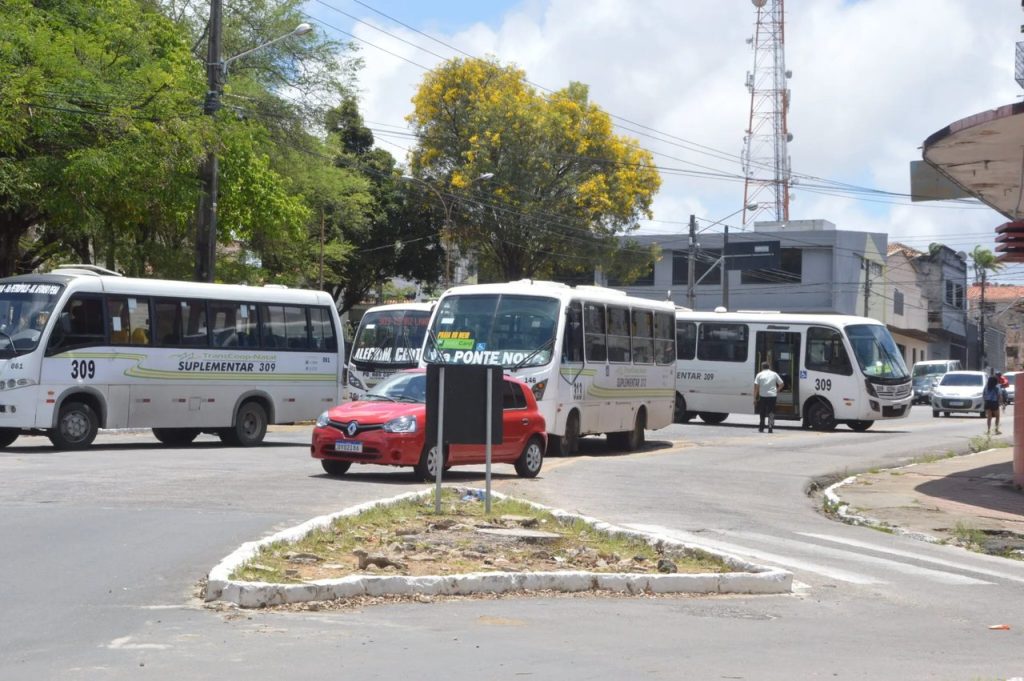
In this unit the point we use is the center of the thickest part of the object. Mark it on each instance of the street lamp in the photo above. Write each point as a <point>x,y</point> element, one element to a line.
<point>691,293</point>
<point>447,204</point>
<point>216,74</point>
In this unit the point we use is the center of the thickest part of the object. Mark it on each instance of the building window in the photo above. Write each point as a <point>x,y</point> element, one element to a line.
<point>790,270</point>
<point>706,271</point>
<point>954,294</point>
<point>897,302</point>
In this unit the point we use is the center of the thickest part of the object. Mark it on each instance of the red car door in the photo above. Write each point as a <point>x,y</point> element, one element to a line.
<point>516,420</point>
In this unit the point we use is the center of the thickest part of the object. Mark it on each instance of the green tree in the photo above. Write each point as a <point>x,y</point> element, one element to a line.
<point>396,237</point>
<point>98,96</point>
<point>564,190</point>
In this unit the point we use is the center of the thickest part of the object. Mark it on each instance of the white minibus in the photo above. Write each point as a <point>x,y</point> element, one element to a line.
<point>83,348</point>
<point>836,368</point>
<point>597,360</point>
<point>389,338</point>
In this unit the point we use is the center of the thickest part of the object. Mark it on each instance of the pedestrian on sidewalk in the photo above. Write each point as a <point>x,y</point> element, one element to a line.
<point>991,398</point>
<point>767,385</point>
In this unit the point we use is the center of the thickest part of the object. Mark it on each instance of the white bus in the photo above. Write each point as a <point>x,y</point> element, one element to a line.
<point>83,348</point>
<point>389,338</point>
<point>836,368</point>
<point>598,361</point>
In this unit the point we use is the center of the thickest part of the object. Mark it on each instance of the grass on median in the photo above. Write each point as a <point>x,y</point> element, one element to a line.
<point>411,534</point>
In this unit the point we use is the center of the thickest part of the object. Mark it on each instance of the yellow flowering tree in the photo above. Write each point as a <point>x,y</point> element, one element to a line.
<point>563,188</point>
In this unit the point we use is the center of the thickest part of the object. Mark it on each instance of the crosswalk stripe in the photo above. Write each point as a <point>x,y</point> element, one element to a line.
<point>702,540</point>
<point>917,571</point>
<point>909,554</point>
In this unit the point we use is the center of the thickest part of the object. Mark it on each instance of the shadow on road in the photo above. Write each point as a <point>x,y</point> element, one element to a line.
<point>988,487</point>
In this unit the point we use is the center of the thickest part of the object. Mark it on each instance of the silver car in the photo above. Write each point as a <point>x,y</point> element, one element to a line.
<point>959,391</point>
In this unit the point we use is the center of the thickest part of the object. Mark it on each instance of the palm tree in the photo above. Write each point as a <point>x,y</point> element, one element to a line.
<point>985,261</point>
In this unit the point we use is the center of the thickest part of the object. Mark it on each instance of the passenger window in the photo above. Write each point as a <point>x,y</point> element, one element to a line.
<point>721,342</point>
<point>643,337</point>
<point>572,340</point>
<point>664,338</point>
<point>513,397</point>
<point>180,322</point>
<point>826,352</point>
<point>196,333</point>
<point>618,334</point>
<point>686,340</point>
<point>296,327</point>
<point>273,325</point>
<point>323,329</point>
<point>594,332</point>
<point>128,320</point>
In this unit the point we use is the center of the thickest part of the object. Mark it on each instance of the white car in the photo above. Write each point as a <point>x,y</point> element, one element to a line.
<point>959,391</point>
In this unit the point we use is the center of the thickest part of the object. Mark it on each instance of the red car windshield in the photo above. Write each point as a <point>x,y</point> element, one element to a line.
<point>401,387</point>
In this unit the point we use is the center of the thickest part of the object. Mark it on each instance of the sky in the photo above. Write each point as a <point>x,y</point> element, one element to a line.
<point>871,80</point>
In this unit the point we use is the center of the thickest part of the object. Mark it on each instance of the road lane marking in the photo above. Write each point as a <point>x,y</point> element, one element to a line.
<point>910,554</point>
<point>702,540</point>
<point>939,576</point>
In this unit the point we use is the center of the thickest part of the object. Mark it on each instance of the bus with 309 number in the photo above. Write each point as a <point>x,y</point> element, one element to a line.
<point>835,368</point>
<point>83,348</point>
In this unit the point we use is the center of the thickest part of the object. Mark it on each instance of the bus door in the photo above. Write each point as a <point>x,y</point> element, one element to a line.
<point>781,349</point>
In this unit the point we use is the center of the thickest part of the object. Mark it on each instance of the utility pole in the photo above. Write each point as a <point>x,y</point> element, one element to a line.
<point>206,222</point>
<point>867,287</point>
<point>691,293</point>
<point>981,324</point>
<point>725,270</point>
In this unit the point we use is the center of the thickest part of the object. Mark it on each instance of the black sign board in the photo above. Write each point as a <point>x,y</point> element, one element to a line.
<point>752,255</point>
<point>465,403</point>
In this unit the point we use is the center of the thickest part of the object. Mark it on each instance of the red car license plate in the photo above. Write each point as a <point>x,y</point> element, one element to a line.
<point>348,446</point>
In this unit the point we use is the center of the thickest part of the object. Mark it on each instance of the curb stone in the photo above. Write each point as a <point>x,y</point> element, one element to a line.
<point>748,578</point>
<point>843,512</point>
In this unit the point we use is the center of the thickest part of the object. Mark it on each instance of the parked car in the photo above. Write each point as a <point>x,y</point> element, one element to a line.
<point>388,427</point>
<point>927,373</point>
<point>959,391</point>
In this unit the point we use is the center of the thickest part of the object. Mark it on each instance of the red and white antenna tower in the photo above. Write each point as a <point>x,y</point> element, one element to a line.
<point>765,156</point>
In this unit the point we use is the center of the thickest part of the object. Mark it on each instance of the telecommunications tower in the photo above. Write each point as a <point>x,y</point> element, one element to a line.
<point>765,156</point>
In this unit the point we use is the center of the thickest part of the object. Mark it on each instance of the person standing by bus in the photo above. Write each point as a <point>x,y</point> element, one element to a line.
<point>991,398</point>
<point>767,385</point>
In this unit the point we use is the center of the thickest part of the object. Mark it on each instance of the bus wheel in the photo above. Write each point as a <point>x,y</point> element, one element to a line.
<point>250,426</point>
<point>335,467</point>
<point>681,415</point>
<point>630,440</point>
<point>935,413</point>
<point>712,417</point>
<point>568,444</point>
<point>859,426</point>
<point>8,435</point>
<point>821,416</point>
<point>175,436</point>
<point>76,426</point>
<point>529,462</point>
<point>426,469</point>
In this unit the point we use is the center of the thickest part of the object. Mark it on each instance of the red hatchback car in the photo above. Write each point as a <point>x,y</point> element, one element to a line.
<point>388,427</point>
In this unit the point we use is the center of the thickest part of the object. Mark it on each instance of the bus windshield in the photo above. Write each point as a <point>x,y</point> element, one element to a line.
<point>876,351</point>
<point>390,337</point>
<point>510,330</point>
<point>24,310</point>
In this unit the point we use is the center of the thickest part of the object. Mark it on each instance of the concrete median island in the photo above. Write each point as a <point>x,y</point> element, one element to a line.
<point>400,547</point>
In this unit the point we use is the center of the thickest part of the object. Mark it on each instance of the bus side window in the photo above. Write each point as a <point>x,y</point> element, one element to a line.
<point>643,337</point>
<point>594,332</point>
<point>618,334</point>
<point>572,340</point>
<point>80,324</point>
<point>722,342</point>
<point>664,338</point>
<point>825,351</point>
<point>686,340</point>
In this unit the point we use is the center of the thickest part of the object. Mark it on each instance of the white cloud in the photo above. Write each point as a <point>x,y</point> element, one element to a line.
<point>871,80</point>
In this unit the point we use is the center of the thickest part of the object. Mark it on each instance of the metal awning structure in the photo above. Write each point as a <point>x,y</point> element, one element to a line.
<point>984,154</point>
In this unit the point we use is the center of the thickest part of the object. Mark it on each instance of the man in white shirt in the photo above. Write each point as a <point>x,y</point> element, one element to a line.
<point>767,385</point>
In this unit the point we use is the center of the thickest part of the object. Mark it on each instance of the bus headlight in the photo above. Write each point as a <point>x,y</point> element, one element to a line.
<point>354,381</point>
<point>870,387</point>
<point>538,390</point>
<point>403,424</point>
<point>322,420</point>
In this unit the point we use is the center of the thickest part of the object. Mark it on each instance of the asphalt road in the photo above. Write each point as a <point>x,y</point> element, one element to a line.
<point>103,549</point>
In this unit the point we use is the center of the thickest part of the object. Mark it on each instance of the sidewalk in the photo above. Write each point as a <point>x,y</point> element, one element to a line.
<point>942,500</point>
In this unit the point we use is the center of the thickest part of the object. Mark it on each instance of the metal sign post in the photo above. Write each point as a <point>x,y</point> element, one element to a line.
<point>487,469</point>
<point>439,460</point>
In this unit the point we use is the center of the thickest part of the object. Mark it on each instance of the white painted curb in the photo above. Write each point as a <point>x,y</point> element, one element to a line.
<point>842,509</point>
<point>748,578</point>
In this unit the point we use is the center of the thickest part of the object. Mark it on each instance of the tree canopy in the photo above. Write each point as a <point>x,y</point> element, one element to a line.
<point>564,188</point>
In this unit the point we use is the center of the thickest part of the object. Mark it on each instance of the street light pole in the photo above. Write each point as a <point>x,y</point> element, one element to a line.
<point>216,74</point>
